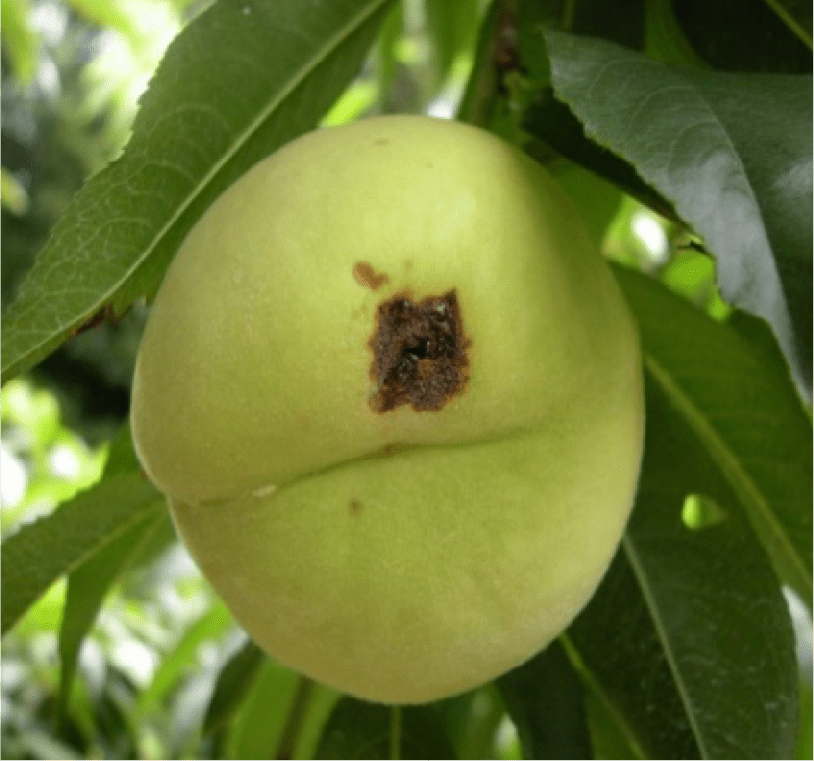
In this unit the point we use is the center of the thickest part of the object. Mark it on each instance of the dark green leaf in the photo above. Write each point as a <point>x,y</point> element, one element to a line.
<point>42,551</point>
<point>240,81</point>
<point>552,126</point>
<point>749,35</point>
<point>472,721</point>
<point>689,637</point>
<point>451,26</point>
<point>87,587</point>
<point>263,715</point>
<point>621,21</point>
<point>805,739</point>
<point>625,669</point>
<point>182,658</point>
<point>664,38</point>
<point>232,686</point>
<point>597,200</point>
<point>544,699</point>
<point>608,737</point>
<point>688,640</point>
<point>480,97</point>
<point>796,15</point>
<point>361,730</point>
<point>733,155</point>
<point>122,456</point>
<point>389,37</point>
<point>737,396</point>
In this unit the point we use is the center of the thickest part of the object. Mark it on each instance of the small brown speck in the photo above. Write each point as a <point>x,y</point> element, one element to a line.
<point>355,507</point>
<point>367,277</point>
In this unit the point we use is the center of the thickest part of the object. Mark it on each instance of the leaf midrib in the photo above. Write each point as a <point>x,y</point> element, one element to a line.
<point>744,486</point>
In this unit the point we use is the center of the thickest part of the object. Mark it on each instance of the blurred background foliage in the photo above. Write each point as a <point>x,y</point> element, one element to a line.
<point>151,680</point>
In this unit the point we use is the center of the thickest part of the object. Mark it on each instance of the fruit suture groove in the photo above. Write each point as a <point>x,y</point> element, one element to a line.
<point>419,352</point>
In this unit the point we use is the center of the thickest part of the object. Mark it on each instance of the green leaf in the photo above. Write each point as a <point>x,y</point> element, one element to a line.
<point>386,59</point>
<point>122,456</point>
<point>361,730</point>
<point>42,551</point>
<point>87,587</point>
<point>664,39</point>
<point>733,155</point>
<point>20,42</point>
<point>113,14</point>
<point>155,544</point>
<point>597,200</point>
<point>544,699</point>
<point>233,683</point>
<point>240,81</point>
<point>796,15</point>
<point>262,717</point>
<point>480,97</point>
<point>772,35</point>
<point>181,659</point>
<point>451,27</point>
<point>551,125</point>
<point>688,641</point>
<point>472,721</point>
<point>321,702</point>
<point>621,21</point>
<point>13,194</point>
<point>607,732</point>
<point>625,669</point>
<point>689,636</point>
<point>736,395</point>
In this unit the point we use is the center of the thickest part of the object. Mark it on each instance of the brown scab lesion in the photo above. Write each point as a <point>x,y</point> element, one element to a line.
<point>367,277</point>
<point>419,353</point>
<point>355,507</point>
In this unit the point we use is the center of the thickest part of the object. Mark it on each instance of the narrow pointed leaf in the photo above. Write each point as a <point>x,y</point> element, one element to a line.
<point>688,640</point>
<point>182,658</point>
<point>42,551</point>
<point>451,27</point>
<point>733,155</point>
<point>87,587</point>
<point>240,81</point>
<point>260,723</point>
<point>735,392</point>
<point>545,701</point>
<point>357,729</point>
<point>772,35</point>
<point>232,686</point>
<point>689,636</point>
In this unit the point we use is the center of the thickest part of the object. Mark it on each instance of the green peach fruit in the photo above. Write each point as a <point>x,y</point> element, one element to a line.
<point>394,397</point>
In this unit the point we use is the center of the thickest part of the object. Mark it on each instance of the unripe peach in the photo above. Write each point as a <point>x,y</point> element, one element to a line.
<point>394,396</point>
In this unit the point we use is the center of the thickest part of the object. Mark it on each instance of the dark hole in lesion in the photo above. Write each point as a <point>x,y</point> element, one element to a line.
<point>419,351</point>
